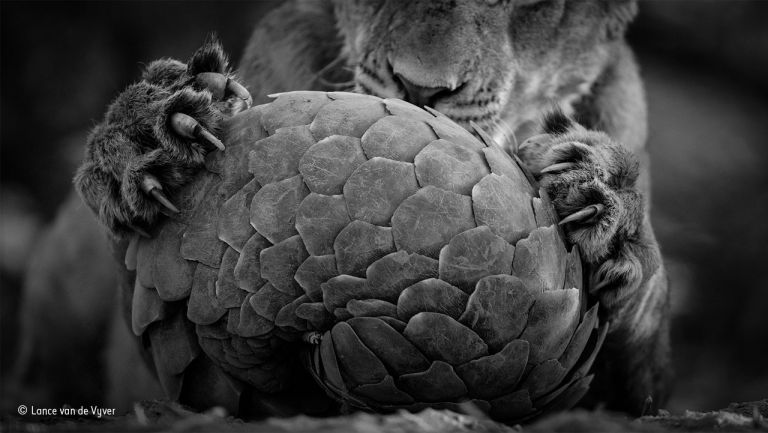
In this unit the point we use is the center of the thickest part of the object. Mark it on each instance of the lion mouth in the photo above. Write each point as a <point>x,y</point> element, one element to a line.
<point>482,108</point>
<point>472,113</point>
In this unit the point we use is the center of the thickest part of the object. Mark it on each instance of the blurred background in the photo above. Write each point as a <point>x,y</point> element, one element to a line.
<point>704,64</point>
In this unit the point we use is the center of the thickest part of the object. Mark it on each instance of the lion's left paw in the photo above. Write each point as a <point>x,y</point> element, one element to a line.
<point>592,183</point>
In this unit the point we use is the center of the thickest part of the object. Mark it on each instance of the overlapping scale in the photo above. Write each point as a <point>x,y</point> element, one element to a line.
<point>427,220</point>
<point>273,208</point>
<point>450,131</point>
<point>474,254</point>
<point>287,319</point>
<point>174,347</point>
<point>424,265</point>
<point>504,206</point>
<point>502,164</point>
<point>371,308</point>
<point>438,383</point>
<point>145,267</point>
<point>315,314</point>
<point>240,136</point>
<point>398,138</point>
<point>248,268</point>
<point>543,210</point>
<point>313,272</point>
<point>377,188</point>
<point>359,244</point>
<point>277,157</point>
<point>228,294</point>
<point>234,225</point>
<point>146,308</point>
<point>450,166</point>
<point>498,309</point>
<point>319,219</point>
<point>203,308</point>
<point>432,295</point>
<point>292,109</point>
<point>540,260</point>
<point>579,340</point>
<point>280,262</point>
<point>347,117</point>
<point>357,361</point>
<point>385,392</point>
<point>490,376</point>
<point>343,288</point>
<point>387,277</point>
<point>437,335</point>
<point>551,323</point>
<point>172,274</point>
<point>200,241</point>
<point>327,165</point>
<point>543,377</point>
<point>398,354</point>
<point>268,301</point>
<point>250,322</point>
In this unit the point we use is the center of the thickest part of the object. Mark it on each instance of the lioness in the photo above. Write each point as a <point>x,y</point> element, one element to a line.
<point>499,63</point>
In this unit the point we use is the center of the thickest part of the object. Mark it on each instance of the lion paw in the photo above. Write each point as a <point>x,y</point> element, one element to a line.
<point>155,136</point>
<point>592,183</point>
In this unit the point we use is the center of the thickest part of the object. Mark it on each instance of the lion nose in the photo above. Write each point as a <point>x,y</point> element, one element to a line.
<point>420,95</point>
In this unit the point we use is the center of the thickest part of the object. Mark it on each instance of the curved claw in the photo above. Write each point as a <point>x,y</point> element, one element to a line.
<point>220,85</point>
<point>240,91</point>
<point>557,167</point>
<point>203,134</point>
<point>163,200</point>
<point>188,127</point>
<point>150,185</point>
<point>589,212</point>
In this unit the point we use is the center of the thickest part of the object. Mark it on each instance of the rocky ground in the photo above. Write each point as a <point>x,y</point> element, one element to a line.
<point>154,416</point>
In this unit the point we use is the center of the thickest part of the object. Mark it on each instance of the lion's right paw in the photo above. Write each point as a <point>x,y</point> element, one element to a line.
<point>155,136</point>
<point>592,182</point>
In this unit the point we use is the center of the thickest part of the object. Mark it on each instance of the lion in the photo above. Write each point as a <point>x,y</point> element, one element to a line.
<point>520,69</point>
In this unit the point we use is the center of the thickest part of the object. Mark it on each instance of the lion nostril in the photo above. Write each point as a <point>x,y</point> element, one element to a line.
<point>421,95</point>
